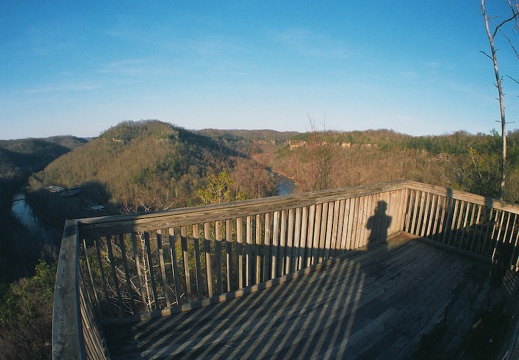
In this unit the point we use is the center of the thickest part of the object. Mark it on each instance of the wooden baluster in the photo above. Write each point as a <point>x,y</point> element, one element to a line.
<point>90,277</point>
<point>162,267</point>
<point>207,249</point>
<point>347,231</point>
<point>127,272</point>
<point>290,250</point>
<point>310,235</point>
<point>331,227</point>
<point>282,243</point>
<point>477,229</point>
<point>275,246</point>
<point>266,248</point>
<point>298,254</point>
<point>323,231</point>
<point>239,251</point>
<point>336,246</point>
<point>174,264</point>
<point>258,246</point>
<point>150,269</point>
<point>218,255</point>
<point>198,265</point>
<point>137,259</point>
<point>448,220</point>
<point>302,243</point>
<point>185,260</point>
<point>228,253</point>
<point>114,273</point>
<point>248,252</point>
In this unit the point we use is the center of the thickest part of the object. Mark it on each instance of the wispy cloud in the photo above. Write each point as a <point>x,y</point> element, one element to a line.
<point>64,87</point>
<point>309,43</point>
<point>135,68</point>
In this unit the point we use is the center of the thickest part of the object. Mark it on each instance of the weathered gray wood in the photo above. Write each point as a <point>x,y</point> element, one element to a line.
<point>185,262</point>
<point>310,235</point>
<point>267,249</point>
<point>257,228</point>
<point>282,243</point>
<point>344,319</point>
<point>477,228</point>
<point>331,234</point>
<point>275,245</point>
<point>228,254</point>
<point>127,273</point>
<point>208,262</point>
<point>337,232</point>
<point>102,275</point>
<point>162,267</point>
<point>248,253</point>
<point>303,240</point>
<point>316,243</point>
<point>239,250</point>
<point>151,271</point>
<point>67,332</point>
<point>90,276</point>
<point>298,239</point>
<point>290,251</point>
<point>298,230</point>
<point>174,264</point>
<point>198,265</point>
<point>93,227</point>
<point>218,256</point>
<point>137,260</point>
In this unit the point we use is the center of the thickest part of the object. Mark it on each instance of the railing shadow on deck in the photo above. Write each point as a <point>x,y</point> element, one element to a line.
<point>144,266</point>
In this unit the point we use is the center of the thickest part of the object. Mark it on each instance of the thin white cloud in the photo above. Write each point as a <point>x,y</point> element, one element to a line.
<point>65,86</point>
<point>308,43</point>
<point>135,68</point>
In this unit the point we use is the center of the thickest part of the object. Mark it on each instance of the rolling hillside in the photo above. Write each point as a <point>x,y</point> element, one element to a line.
<point>149,165</point>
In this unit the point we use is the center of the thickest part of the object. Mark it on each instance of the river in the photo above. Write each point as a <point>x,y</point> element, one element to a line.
<point>24,213</point>
<point>285,186</point>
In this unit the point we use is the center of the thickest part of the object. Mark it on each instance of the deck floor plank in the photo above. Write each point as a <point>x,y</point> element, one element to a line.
<point>401,299</point>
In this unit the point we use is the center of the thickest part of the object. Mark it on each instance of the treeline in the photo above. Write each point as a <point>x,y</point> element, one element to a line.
<point>329,159</point>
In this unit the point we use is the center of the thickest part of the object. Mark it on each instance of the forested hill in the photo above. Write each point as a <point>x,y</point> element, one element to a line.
<point>149,165</point>
<point>21,157</point>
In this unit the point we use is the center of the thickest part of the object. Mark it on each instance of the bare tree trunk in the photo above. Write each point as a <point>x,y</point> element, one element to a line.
<point>499,85</point>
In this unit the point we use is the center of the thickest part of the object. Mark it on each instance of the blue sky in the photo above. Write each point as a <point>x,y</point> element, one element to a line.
<point>78,68</point>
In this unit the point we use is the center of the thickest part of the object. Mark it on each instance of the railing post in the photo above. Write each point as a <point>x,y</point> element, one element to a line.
<point>67,334</point>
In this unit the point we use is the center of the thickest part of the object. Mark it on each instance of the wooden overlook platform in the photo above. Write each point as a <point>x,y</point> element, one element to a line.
<point>395,270</point>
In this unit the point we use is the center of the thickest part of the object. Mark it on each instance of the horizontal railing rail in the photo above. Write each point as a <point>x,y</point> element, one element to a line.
<point>145,265</point>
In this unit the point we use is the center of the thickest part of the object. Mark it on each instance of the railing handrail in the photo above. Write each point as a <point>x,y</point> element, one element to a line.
<point>67,332</point>
<point>464,196</point>
<point>116,224</point>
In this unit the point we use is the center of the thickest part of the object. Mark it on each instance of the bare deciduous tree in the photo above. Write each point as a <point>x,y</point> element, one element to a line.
<point>499,80</point>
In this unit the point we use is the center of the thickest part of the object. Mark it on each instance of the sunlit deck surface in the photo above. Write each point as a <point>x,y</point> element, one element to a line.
<point>400,299</point>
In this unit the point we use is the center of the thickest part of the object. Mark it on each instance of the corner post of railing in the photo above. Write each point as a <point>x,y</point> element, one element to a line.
<point>67,333</point>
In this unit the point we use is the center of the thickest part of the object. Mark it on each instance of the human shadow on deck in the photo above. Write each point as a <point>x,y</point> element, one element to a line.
<point>379,224</point>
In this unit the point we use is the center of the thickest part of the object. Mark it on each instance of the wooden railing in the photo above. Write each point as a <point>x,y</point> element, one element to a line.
<point>140,266</point>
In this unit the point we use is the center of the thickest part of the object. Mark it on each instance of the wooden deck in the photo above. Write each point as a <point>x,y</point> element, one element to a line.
<point>401,299</point>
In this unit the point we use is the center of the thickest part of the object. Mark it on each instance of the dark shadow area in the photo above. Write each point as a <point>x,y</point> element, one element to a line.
<point>390,298</point>
<point>362,305</point>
